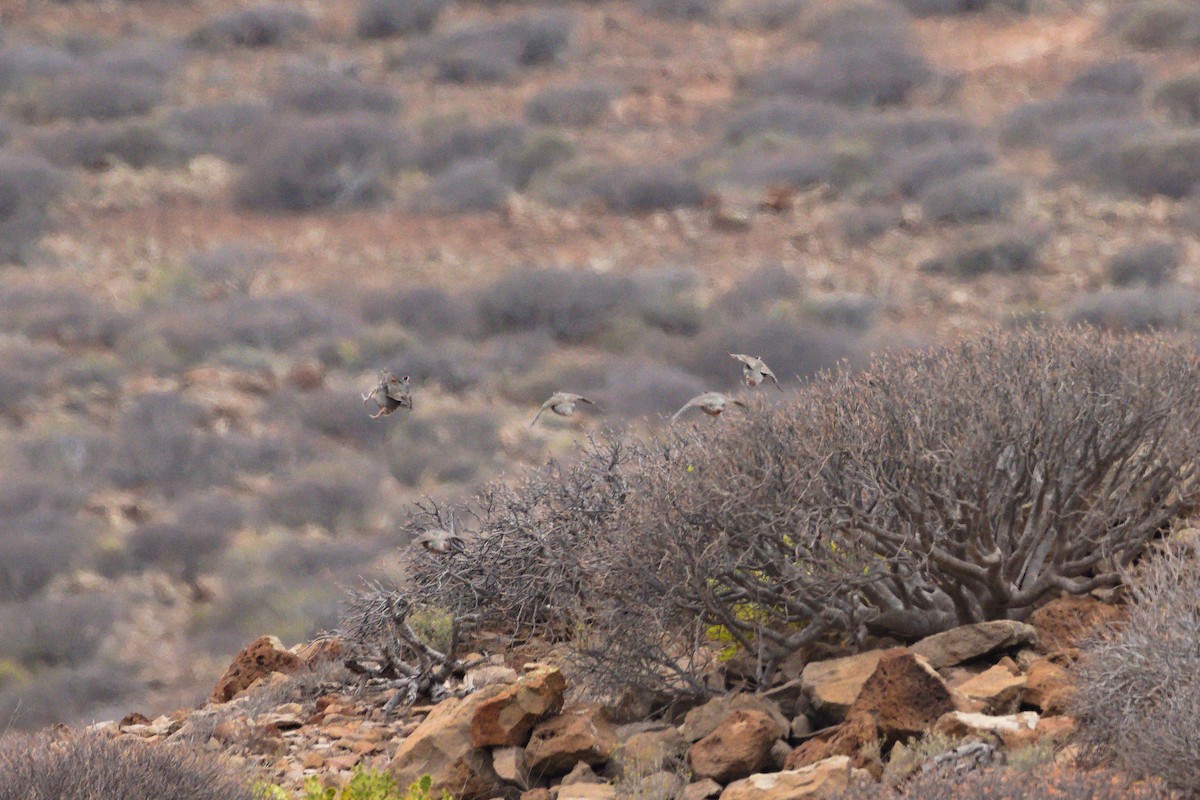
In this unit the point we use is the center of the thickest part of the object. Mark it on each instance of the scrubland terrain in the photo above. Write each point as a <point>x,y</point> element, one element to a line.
<point>218,220</point>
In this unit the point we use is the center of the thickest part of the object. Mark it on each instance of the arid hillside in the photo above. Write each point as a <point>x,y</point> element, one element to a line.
<point>219,219</point>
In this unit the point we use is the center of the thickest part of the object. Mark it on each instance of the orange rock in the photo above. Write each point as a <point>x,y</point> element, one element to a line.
<point>738,747</point>
<point>1066,621</point>
<point>260,658</point>
<point>1047,687</point>
<point>507,718</point>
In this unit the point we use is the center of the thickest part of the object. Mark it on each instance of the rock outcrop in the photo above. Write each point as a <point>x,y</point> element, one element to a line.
<point>256,661</point>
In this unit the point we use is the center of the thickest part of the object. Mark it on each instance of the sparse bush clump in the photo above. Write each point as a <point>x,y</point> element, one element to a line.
<point>331,495</point>
<point>629,190</point>
<point>1151,263</point>
<point>313,91</point>
<point>101,145</point>
<point>680,9</point>
<point>88,766</point>
<point>97,95</point>
<point>796,118</point>
<point>1035,123</point>
<point>972,196</point>
<point>1012,784</point>
<point>192,544</point>
<point>28,185</point>
<point>1180,98</point>
<point>1136,309</point>
<point>62,694</point>
<point>1001,253</point>
<point>577,106</point>
<point>218,128</point>
<point>573,305</point>
<point>1166,163</point>
<point>332,162</point>
<point>160,444</point>
<point>767,14</point>
<point>471,185</point>
<point>863,224</point>
<point>1123,78</point>
<point>54,632</point>
<point>267,25</point>
<point>493,51</point>
<point>1137,683</point>
<point>912,170</point>
<point>928,8</point>
<point>855,75</point>
<point>382,19</point>
<point>1156,24</point>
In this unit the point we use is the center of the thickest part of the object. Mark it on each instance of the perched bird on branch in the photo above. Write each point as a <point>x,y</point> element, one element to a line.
<point>711,403</point>
<point>755,371</point>
<point>440,540</point>
<point>389,394</point>
<point>561,403</point>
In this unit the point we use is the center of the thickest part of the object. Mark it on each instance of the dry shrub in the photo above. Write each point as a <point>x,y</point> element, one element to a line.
<point>99,689</point>
<point>1123,77</point>
<point>312,91</point>
<point>1012,784</point>
<point>101,145</point>
<point>382,19</point>
<point>95,766</point>
<point>266,25</point>
<point>1001,252</point>
<point>1137,686</point>
<point>327,162</point>
<point>578,105</point>
<point>1156,24</point>
<point>1136,309</point>
<point>973,196</point>
<point>1165,162</point>
<point>1149,263</point>
<point>932,490</point>
<point>28,185</point>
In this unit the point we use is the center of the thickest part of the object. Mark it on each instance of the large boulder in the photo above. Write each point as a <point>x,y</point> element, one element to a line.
<point>824,779</point>
<point>904,696</point>
<point>704,719</point>
<point>507,718</point>
<point>966,642</point>
<point>833,685</point>
<point>441,747</point>
<point>558,744</point>
<point>257,660</point>
<point>739,746</point>
<point>1066,621</point>
<point>997,690</point>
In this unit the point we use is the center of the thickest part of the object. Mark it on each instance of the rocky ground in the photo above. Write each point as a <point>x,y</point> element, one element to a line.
<point>973,696</point>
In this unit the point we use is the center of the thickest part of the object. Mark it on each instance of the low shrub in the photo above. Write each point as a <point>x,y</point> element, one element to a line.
<point>486,52</point>
<point>28,185</point>
<point>977,195</point>
<point>930,8</point>
<point>101,145</point>
<point>26,371</point>
<point>636,388</point>
<point>1035,123</point>
<point>333,495</point>
<point>1123,78</point>
<point>383,19</point>
<point>34,548</point>
<point>220,127</point>
<point>1003,252</point>
<point>446,448</point>
<point>801,119</point>
<point>330,162</point>
<point>1136,309</point>
<point>90,94</point>
<point>98,689</point>
<point>1144,671</point>
<point>769,15</point>
<point>86,766</point>
<point>424,309</point>
<point>232,265</point>
<point>865,223</point>
<point>1180,98</point>
<point>680,9</point>
<point>1012,784</point>
<point>911,171</point>
<point>340,415</point>
<point>759,289</point>
<point>1090,150</point>
<point>574,305</point>
<point>576,106</point>
<point>312,91</point>
<point>637,190</point>
<point>895,131</point>
<point>193,543</point>
<point>21,64</point>
<point>267,25</point>
<point>1166,163</point>
<point>1149,263</point>
<point>160,444</point>
<point>45,633</point>
<point>1158,24</point>
<point>470,186</point>
<point>854,75</point>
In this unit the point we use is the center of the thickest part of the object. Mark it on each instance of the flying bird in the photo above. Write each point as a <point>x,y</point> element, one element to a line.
<point>711,403</point>
<point>561,403</point>
<point>755,371</point>
<point>389,394</point>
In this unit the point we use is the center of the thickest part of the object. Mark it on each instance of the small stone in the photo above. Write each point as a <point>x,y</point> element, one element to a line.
<point>312,760</point>
<point>582,734</point>
<point>509,763</point>
<point>824,779</point>
<point>702,790</point>
<point>1047,687</point>
<point>996,688</point>
<point>344,762</point>
<point>587,791</point>
<point>582,773</point>
<point>960,724</point>
<point>738,747</point>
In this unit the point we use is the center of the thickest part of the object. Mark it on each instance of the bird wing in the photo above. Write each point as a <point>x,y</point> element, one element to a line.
<point>737,402</point>
<point>767,371</point>
<point>745,359</point>
<point>545,405</point>
<point>695,401</point>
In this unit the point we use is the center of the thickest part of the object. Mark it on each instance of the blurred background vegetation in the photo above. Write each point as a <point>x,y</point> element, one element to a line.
<point>219,218</point>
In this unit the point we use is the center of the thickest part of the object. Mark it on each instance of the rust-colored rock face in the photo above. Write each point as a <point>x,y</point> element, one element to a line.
<point>739,746</point>
<point>507,719</point>
<point>259,659</point>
